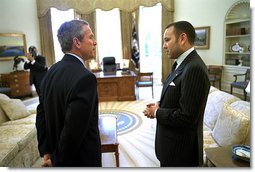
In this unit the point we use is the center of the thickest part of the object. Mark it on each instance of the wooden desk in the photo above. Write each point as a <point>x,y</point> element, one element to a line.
<point>108,135</point>
<point>222,157</point>
<point>119,87</point>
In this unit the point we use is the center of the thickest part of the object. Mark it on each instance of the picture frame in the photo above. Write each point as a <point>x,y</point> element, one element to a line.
<point>11,45</point>
<point>202,40</point>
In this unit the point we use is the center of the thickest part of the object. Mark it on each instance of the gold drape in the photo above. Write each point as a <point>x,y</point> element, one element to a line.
<point>46,35</point>
<point>87,6</point>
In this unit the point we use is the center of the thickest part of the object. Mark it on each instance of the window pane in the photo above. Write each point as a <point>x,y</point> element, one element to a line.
<point>57,18</point>
<point>150,40</point>
<point>108,34</point>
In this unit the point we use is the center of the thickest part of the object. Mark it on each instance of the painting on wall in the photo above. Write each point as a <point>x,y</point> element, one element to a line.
<point>202,40</point>
<point>11,45</point>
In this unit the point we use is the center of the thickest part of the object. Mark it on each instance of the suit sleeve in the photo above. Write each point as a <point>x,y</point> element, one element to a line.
<point>41,129</point>
<point>194,91</point>
<point>40,64</point>
<point>77,119</point>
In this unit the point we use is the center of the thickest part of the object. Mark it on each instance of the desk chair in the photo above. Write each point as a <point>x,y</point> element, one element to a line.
<point>215,74</point>
<point>145,79</point>
<point>241,84</point>
<point>109,66</point>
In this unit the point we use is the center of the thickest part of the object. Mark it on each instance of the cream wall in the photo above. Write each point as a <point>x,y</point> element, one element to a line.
<point>19,16</point>
<point>206,13</point>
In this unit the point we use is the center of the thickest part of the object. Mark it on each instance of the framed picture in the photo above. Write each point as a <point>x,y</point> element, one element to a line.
<point>202,40</point>
<point>11,45</point>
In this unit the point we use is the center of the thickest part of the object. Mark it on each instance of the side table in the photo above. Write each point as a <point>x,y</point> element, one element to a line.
<point>222,157</point>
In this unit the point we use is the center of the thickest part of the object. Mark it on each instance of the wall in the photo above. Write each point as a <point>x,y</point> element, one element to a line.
<point>206,13</point>
<point>19,16</point>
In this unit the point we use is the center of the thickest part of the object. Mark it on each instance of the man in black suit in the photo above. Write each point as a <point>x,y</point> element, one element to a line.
<point>67,115</point>
<point>37,65</point>
<point>180,111</point>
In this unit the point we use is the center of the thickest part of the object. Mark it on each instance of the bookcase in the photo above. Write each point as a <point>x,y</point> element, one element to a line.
<point>238,34</point>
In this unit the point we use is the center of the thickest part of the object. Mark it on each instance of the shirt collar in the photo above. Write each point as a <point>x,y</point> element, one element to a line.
<point>77,57</point>
<point>180,59</point>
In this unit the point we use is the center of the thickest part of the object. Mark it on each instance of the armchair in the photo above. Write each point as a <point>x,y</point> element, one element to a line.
<point>241,84</point>
<point>215,73</point>
<point>145,79</point>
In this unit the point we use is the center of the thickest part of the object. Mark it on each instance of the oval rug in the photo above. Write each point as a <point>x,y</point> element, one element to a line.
<point>126,121</point>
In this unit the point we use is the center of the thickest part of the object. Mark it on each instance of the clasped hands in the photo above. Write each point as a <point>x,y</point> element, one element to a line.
<point>29,56</point>
<point>149,112</point>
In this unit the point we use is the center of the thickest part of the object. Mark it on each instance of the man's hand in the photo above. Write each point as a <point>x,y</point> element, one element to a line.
<point>46,161</point>
<point>29,57</point>
<point>150,110</point>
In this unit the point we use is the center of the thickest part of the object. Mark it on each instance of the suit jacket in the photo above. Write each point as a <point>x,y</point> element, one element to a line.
<point>179,132</point>
<point>37,70</point>
<point>67,115</point>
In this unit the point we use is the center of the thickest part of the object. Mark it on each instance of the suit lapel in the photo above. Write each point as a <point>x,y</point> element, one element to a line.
<point>176,73</point>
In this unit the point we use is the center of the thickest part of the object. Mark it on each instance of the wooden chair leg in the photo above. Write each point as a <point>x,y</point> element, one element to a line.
<point>231,89</point>
<point>117,157</point>
<point>152,92</point>
<point>245,95</point>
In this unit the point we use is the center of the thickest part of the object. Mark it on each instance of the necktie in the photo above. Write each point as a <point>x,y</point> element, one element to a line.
<point>174,66</point>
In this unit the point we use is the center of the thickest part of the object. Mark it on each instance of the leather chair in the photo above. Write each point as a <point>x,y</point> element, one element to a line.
<point>241,84</point>
<point>145,79</point>
<point>5,89</point>
<point>109,66</point>
<point>215,74</point>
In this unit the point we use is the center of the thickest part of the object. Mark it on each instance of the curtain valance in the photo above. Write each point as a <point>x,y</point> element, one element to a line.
<point>87,6</point>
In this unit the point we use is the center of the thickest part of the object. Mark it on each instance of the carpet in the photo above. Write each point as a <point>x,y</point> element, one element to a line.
<point>126,121</point>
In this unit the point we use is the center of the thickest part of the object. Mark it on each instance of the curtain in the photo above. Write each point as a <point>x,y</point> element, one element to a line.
<point>167,18</point>
<point>88,6</point>
<point>46,35</point>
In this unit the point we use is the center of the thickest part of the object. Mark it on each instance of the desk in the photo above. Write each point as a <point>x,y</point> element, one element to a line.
<point>119,87</point>
<point>108,135</point>
<point>222,157</point>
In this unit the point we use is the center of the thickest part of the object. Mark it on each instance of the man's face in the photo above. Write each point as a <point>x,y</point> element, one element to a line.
<point>88,44</point>
<point>171,44</point>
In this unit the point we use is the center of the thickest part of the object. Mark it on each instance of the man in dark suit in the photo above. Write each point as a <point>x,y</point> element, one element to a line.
<point>179,113</point>
<point>37,65</point>
<point>67,115</point>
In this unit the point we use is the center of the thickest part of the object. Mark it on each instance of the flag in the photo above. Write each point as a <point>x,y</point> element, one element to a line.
<point>135,47</point>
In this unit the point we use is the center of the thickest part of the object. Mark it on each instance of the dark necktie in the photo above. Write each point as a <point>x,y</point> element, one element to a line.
<point>174,66</point>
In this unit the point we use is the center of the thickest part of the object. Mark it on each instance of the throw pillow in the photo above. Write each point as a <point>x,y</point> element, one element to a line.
<point>3,97</point>
<point>14,108</point>
<point>3,117</point>
<point>214,106</point>
<point>231,128</point>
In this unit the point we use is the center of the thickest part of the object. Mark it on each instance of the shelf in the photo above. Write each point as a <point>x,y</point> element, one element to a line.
<point>238,21</point>
<point>238,36</point>
<point>244,53</point>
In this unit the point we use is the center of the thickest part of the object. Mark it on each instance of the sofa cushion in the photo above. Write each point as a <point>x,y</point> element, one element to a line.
<point>232,127</point>
<point>19,134</point>
<point>214,106</point>
<point>3,117</point>
<point>29,120</point>
<point>8,152</point>
<point>242,106</point>
<point>3,97</point>
<point>14,108</point>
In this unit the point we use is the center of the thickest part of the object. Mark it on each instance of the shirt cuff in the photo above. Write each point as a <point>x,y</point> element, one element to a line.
<point>33,62</point>
<point>155,113</point>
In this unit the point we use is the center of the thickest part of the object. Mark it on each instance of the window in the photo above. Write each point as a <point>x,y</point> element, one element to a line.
<point>108,34</point>
<point>150,40</point>
<point>57,18</point>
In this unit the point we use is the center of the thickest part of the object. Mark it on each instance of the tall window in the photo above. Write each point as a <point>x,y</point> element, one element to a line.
<point>57,18</point>
<point>108,34</point>
<point>150,40</point>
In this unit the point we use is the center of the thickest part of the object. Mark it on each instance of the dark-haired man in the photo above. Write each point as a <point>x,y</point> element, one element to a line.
<point>37,65</point>
<point>179,113</point>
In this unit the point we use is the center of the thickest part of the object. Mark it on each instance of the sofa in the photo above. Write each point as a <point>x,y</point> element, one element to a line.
<point>18,142</point>
<point>226,120</point>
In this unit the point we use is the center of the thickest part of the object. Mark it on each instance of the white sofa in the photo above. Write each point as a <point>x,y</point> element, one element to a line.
<point>18,142</point>
<point>226,120</point>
